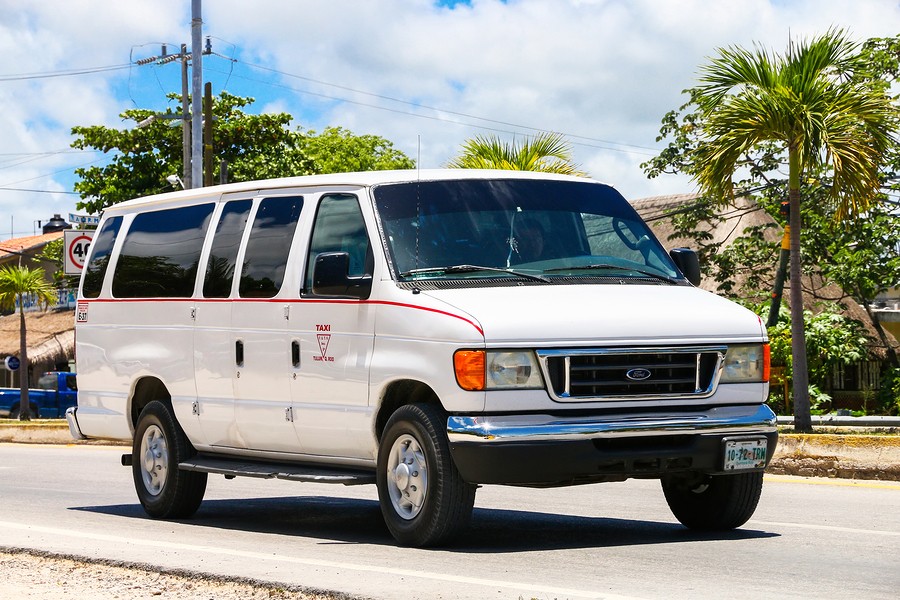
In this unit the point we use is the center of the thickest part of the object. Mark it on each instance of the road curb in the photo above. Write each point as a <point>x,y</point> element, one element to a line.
<point>846,456</point>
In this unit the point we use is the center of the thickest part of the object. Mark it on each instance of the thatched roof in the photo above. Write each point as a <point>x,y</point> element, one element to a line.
<point>50,335</point>
<point>746,213</point>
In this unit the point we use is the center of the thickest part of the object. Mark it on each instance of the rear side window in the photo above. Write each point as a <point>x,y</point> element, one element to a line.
<point>47,382</point>
<point>223,255</point>
<point>100,252</point>
<point>161,252</point>
<point>267,252</point>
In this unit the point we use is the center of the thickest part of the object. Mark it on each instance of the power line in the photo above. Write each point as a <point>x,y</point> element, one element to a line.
<point>63,73</point>
<point>13,189</point>
<point>421,106</point>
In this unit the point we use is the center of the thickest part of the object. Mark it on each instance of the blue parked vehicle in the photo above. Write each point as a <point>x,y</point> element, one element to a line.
<point>57,391</point>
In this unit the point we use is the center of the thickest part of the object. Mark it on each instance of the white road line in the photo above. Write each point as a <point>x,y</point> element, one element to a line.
<point>493,583</point>
<point>826,528</point>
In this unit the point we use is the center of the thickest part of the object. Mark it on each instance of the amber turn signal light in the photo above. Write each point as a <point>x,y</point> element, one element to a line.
<point>469,368</point>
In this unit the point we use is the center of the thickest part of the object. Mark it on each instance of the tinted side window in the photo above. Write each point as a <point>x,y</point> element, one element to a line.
<point>269,245</point>
<point>100,252</point>
<point>339,227</point>
<point>161,252</point>
<point>223,255</point>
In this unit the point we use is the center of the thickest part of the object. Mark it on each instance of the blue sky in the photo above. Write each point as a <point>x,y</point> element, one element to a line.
<point>426,75</point>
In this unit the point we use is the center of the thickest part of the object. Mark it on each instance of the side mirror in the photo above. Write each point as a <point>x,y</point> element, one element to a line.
<point>688,263</point>
<point>330,277</point>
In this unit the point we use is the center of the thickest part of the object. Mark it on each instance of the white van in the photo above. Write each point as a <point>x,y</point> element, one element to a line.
<point>426,331</point>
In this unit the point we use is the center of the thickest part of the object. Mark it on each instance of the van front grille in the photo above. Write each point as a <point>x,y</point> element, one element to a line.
<point>629,373</point>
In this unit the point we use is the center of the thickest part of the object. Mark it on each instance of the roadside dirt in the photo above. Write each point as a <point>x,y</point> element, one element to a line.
<point>34,576</point>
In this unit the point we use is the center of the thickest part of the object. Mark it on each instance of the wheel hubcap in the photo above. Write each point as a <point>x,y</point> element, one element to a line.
<point>407,476</point>
<point>154,460</point>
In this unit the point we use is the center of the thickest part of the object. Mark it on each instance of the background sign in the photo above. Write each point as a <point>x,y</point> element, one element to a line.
<point>75,250</point>
<point>11,363</point>
<point>86,219</point>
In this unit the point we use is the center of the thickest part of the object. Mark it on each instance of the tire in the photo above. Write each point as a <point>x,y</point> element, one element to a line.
<point>424,500</point>
<point>14,413</point>
<point>165,491</point>
<point>714,503</point>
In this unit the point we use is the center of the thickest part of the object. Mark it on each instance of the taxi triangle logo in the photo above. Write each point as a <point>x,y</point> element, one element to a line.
<point>324,338</point>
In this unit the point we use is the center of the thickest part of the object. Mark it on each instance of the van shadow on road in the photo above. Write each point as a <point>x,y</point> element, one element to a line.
<point>354,521</point>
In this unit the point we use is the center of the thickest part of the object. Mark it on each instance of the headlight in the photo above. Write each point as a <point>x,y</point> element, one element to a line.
<point>497,370</point>
<point>746,363</point>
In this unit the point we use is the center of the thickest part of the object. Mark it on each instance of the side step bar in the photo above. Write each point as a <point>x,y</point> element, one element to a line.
<point>235,467</point>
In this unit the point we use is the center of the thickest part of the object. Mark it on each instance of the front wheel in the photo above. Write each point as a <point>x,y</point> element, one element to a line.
<point>423,498</point>
<point>713,503</point>
<point>165,491</point>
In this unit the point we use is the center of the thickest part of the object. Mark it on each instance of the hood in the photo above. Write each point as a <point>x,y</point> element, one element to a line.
<point>603,314</point>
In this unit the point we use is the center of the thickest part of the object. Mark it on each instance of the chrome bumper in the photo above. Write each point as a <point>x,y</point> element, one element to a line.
<point>547,428</point>
<point>74,429</point>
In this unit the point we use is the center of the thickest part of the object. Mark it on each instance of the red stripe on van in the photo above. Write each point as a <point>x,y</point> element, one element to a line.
<point>288,301</point>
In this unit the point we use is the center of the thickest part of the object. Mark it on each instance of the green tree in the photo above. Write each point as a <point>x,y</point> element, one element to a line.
<point>15,284</point>
<point>831,338</point>
<point>808,104</point>
<point>546,152</point>
<point>253,147</point>
<point>337,150</point>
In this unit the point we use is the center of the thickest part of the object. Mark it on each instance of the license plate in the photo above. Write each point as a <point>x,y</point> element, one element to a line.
<point>745,454</point>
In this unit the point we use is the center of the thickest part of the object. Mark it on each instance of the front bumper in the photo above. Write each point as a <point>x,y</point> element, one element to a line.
<point>544,450</point>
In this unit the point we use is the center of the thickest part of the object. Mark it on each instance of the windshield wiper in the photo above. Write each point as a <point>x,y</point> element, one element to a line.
<point>616,267</point>
<point>473,268</point>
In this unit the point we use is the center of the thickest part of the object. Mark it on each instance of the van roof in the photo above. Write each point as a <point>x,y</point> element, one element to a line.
<point>361,179</point>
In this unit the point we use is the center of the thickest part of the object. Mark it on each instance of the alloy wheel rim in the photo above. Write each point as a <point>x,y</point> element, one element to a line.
<point>407,474</point>
<point>154,460</point>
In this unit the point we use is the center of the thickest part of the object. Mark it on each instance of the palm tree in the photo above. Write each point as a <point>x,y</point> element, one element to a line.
<point>546,152</point>
<point>807,101</point>
<point>15,283</point>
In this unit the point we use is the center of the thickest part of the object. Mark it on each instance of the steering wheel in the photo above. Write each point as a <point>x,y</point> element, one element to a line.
<point>621,231</point>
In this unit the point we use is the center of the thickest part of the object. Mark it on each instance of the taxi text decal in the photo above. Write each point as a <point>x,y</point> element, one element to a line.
<point>324,339</point>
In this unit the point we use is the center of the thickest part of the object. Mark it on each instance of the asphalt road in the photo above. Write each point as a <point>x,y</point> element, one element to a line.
<point>810,538</point>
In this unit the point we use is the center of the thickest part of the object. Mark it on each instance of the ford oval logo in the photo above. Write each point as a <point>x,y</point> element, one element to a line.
<point>638,374</point>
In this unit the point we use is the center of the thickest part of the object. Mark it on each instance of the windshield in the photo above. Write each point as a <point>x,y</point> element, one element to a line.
<point>462,229</point>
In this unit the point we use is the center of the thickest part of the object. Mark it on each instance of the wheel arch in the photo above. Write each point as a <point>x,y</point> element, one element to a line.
<point>146,390</point>
<point>399,393</point>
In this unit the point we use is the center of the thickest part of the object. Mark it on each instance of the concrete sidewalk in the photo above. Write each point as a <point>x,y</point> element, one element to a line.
<point>829,454</point>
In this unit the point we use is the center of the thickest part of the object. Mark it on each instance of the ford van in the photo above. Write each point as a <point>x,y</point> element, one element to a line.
<point>427,332</point>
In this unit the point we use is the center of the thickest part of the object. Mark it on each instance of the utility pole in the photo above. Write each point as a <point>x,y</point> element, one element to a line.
<point>185,122</point>
<point>207,135</point>
<point>196,93</point>
<point>185,116</point>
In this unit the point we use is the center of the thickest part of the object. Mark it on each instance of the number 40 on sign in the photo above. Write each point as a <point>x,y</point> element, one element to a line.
<point>75,252</point>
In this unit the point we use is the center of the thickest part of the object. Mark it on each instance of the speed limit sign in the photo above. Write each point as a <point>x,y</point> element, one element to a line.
<point>77,245</point>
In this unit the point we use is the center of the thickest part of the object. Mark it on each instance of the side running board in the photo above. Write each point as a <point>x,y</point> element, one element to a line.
<point>236,467</point>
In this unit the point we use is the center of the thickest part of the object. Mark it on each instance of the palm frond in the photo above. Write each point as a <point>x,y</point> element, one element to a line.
<point>545,152</point>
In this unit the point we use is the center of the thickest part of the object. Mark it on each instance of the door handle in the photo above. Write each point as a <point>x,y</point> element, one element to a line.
<point>239,353</point>
<point>295,354</point>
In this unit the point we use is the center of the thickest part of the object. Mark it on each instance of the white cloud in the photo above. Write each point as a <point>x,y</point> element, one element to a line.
<point>602,69</point>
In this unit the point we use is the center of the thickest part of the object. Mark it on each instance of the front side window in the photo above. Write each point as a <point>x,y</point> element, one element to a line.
<point>161,253</point>
<point>339,227</point>
<point>539,230</point>
<point>101,250</point>
<point>270,241</point>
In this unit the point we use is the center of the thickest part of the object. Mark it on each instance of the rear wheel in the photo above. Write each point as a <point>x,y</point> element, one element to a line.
<point>424,500</point>
<point>159,445</point>
<point>713,502</point>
